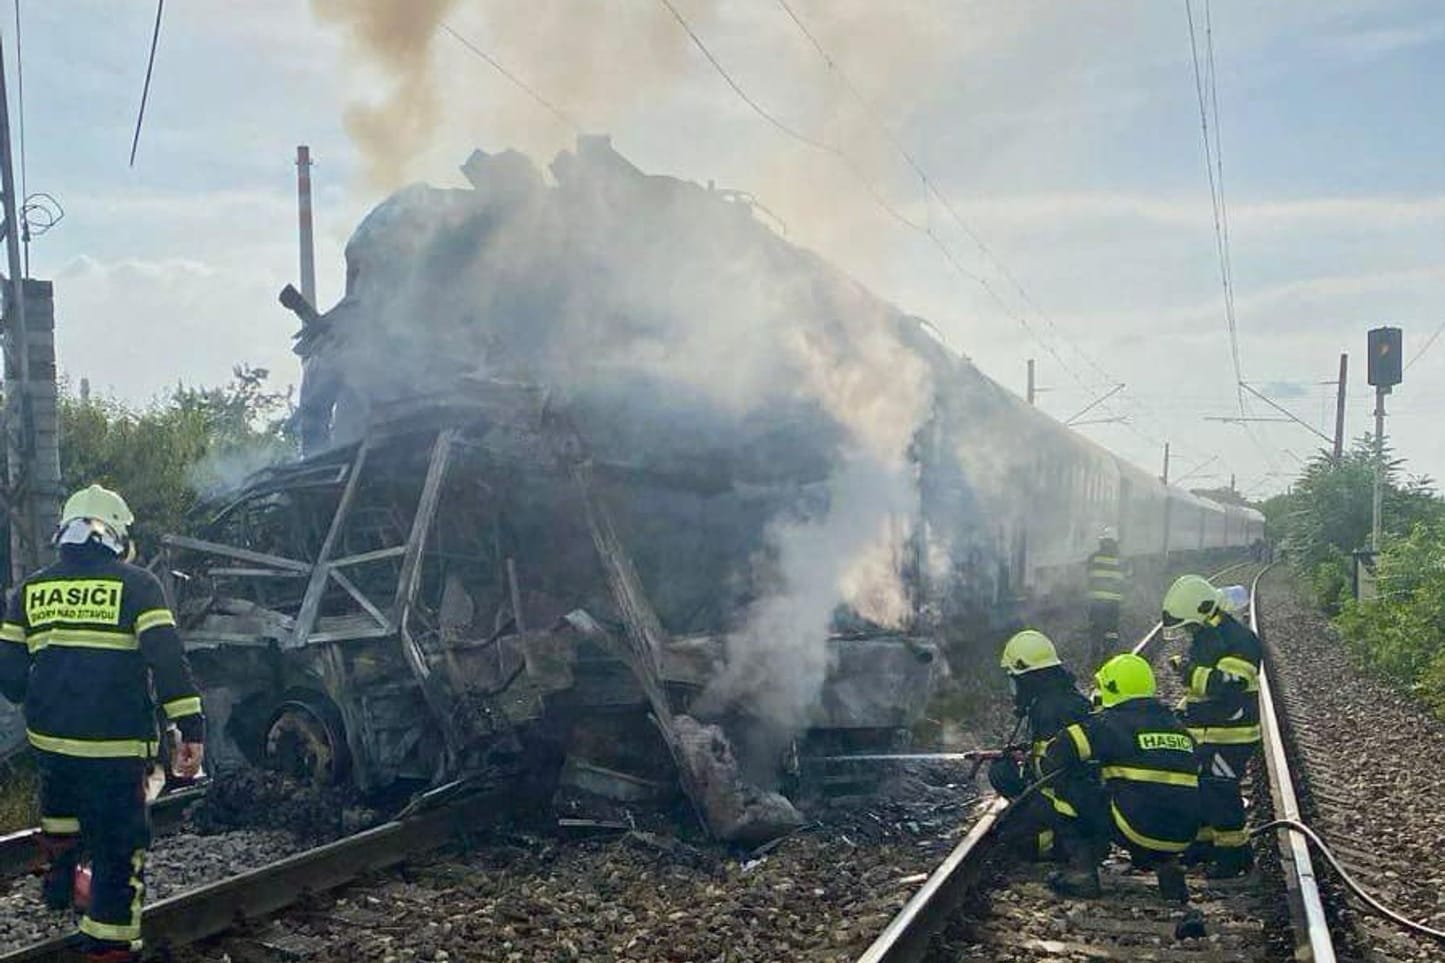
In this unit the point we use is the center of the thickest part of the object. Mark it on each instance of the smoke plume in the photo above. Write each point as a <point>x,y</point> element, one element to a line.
<point>398,37</point>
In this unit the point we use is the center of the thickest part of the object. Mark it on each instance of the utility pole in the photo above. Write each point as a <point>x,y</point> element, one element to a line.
<point>303,204</point>
<point>32,497</point>
<point>1340,408</point>
<point>1031,381</point>
<point>1165,479</point>
<point>1379,493</point>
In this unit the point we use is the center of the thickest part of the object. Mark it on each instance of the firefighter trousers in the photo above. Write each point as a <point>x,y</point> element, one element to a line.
<point>1221,801</point>
<point>1060,820</point>
<point>1103,631</point>
<point>98,806</point>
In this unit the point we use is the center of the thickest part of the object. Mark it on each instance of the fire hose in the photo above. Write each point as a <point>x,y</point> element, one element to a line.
<point>1379,908</point>
<point>1351,884</point>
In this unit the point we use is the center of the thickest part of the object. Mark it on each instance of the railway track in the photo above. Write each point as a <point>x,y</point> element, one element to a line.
<point>986,909</point>
<point>973,906</point>
<point>17,849</point>
<point>445,814</point>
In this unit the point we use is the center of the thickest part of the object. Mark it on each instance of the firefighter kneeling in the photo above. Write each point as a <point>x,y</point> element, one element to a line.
<point>1146,759</point>
<point>1045,696</point>
<point>1221,709</point>
<point>83,644</point>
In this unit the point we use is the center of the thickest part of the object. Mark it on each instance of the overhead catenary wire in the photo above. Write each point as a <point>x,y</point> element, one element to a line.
<point>1216,190</point>
<point>930,185</point>
<point>146,89</point>
<point>882,202</point>
<point>933,190</point>
<point>1429,342</point>
<point>557,112</point>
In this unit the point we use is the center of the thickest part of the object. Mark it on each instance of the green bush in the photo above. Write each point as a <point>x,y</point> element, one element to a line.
<point>1401,633</point>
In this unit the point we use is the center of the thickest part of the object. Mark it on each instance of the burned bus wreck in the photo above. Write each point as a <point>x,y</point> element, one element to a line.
<point>470,586</point>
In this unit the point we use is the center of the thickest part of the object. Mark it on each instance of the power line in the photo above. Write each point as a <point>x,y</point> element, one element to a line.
<point>146,90</point>
<point>931,187</point>
<point>933,190</point>
<point>516,81</point>
<point>1216,191</point>
<point>847,162</point>
<point>1426,346</point>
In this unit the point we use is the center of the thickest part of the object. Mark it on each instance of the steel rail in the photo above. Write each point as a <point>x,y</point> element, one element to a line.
<point>18,849</point>
<point>906,937</point>
<point>1313,942</point>
<point>437,818</point>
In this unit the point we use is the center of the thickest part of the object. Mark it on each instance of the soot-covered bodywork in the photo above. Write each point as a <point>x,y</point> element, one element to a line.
<point>458,589</point>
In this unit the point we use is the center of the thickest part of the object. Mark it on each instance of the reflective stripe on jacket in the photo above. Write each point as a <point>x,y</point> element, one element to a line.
<point>1150,773</point>
<point>1221,706</point>
<point>85,641</point>
<point>1106,578</point>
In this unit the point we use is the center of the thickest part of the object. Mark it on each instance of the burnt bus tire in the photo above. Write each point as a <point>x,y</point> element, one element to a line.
<point>306,739</point>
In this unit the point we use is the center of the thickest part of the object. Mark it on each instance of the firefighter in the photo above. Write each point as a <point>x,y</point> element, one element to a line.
<point>1046,697</point>
<point>1105,586</point>
<point>1221,709</point>
<point>1146,759</point>
<point>83,644</point>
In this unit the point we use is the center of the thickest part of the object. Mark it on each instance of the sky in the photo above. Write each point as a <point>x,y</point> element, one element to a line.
<point>1065,138</point>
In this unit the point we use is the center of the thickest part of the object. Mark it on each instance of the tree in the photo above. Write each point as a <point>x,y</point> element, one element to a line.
<point>1328,513</point>
<point>168,455</point>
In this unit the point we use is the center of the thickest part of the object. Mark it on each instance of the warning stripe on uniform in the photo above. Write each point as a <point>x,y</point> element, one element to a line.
<point>82,639</point>
<point>92,748</point>
<point>188,706</point>
<point>152,619</point>
<point>1139,839</point>
<point>1139,774</point>
<point>1081,741</point>
<point>1225,735</point>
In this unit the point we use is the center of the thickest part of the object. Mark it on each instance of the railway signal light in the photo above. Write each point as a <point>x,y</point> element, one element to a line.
<point>1385,357</point>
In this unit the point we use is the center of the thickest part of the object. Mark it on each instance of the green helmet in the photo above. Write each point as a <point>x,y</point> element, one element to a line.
<point>1122,678</point>
<point>1190,601</point>
<point>1028,650</point>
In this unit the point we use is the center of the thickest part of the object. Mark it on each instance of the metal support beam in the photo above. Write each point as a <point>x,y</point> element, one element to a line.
<point>243,554</point>
<point>1095,403</point>
<point>1287,413</point>
<point>1379,493</point>
<point>1340,407</point>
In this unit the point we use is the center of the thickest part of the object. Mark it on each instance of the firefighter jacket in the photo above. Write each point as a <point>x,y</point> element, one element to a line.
<point>1051,701</point>
<point>1146,759</point>
<point>1221,673</point>
<point>1106,577</point>
<point>82,644</point>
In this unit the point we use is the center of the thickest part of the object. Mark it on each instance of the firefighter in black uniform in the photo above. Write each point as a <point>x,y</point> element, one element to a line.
<point>1106,590</point>
<point>1046,697</point>
<point>83,644</point>
<point>1146,759</point>
<point>1221,709</point>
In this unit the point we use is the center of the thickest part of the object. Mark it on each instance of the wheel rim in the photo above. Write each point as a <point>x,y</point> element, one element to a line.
<point>300,743</point>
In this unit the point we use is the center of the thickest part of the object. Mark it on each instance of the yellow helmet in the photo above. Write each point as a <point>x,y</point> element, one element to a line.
<point>98,505</point>
<point>1028,650</point>
<point>1122,678</point>
<point>1190,601</point>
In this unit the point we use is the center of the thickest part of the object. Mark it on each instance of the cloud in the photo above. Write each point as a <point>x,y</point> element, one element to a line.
<point>137,326</point>
<point>1376,43</point>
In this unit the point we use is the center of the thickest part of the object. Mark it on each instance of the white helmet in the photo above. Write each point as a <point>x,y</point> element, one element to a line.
<point>95,513</point>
